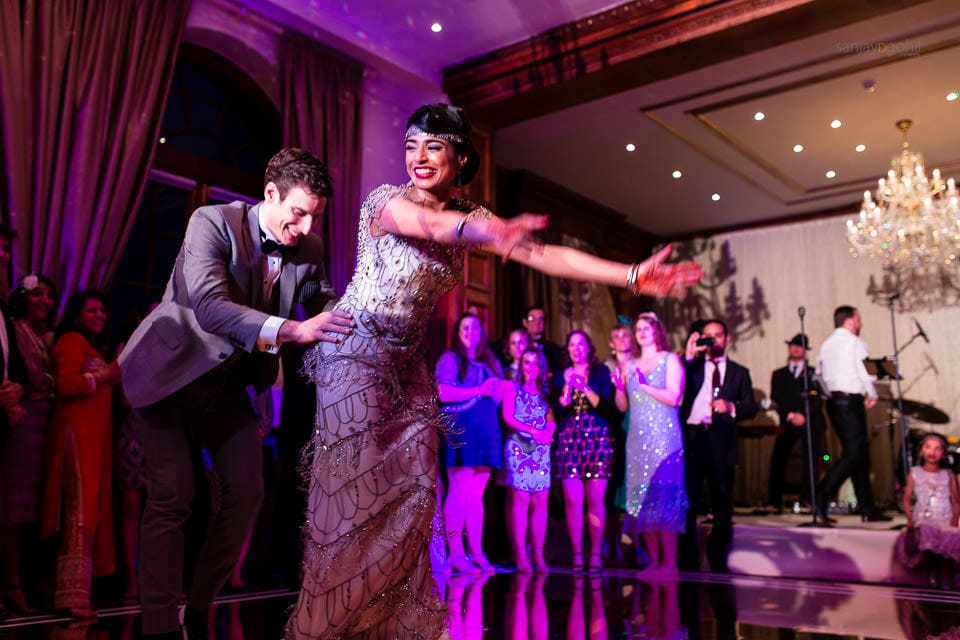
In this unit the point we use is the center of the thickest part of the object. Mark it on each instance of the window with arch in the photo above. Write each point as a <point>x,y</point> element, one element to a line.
<point>219,130</point>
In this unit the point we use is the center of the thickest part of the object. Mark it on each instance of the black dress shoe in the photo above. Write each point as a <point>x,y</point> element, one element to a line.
<point>822,515</point>
<point>875,516</point>
<point>196,623</point>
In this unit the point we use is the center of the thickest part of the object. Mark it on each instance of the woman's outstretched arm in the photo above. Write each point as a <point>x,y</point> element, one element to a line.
<point>512,239</point>
<point>650,277</point>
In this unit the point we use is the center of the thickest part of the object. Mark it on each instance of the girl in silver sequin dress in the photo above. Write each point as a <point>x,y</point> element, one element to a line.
<point>651,385</point>
<point>372,462</point>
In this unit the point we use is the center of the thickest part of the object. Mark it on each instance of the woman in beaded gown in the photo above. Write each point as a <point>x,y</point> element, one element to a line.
<point>651,385</point>
<point>372,462</point>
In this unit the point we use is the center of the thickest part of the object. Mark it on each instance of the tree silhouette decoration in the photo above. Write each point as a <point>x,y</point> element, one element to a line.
<point>920,287</point>
<point>716,296</point>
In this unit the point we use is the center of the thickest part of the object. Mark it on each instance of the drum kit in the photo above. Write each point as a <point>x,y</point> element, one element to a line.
<point>923,412</point>
<point>905,412</point>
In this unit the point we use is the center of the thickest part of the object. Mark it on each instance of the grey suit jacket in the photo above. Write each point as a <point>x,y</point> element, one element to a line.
<point>212,305</point>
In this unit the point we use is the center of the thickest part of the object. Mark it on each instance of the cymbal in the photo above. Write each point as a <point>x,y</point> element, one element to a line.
<point>921,411</point>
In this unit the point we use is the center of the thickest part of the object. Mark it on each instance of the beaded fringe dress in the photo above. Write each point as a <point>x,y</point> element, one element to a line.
<point>372,462</point>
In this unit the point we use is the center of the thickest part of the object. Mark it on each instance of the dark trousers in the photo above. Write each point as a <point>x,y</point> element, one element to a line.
<point>214,412</point>
<point>849,420</point>
<point>704,460</point>
<point>782,448</point>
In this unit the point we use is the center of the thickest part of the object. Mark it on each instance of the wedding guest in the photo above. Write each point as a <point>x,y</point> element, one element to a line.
<point>21,472</point>
<point>651,386</point>
<point>469,386</point>
<point>584,447</point>
<point>718,393</point>
<point>78,498</point>
<point>12,371</point>
<point>517,343</point>
<point>530,428</point>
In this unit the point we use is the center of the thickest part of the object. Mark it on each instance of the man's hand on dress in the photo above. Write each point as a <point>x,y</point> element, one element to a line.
<point>328,326</point>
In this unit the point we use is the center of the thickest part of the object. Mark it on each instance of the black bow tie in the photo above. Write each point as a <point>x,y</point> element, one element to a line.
<point>271,246</point>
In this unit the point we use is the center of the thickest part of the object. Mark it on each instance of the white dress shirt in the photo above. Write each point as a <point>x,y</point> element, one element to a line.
<point>840,364</point>
<point>272,266</point>
<point>701,412</point>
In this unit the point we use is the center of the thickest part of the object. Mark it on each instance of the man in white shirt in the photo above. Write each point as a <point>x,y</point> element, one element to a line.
<point>851,392</point>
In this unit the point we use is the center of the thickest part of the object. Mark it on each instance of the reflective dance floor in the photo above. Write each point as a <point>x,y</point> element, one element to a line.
<point>615,604</point>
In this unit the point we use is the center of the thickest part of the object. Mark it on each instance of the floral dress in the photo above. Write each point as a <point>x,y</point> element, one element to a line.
<point>527,463</point>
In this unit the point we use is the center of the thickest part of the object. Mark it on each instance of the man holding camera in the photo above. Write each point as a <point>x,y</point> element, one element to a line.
<point>718,392</point>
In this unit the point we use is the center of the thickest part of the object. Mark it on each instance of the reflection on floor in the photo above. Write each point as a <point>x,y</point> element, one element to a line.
<point>616,604</point>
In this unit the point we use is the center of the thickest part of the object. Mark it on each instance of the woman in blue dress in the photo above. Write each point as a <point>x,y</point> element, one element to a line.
<point>651,385</point>
<point>469,381</point>
<point>530,428</point>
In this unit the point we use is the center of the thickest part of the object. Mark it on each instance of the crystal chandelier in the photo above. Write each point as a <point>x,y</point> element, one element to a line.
<point>914,221</point>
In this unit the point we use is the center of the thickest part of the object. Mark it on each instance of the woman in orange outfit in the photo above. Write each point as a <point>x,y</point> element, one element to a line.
<point>77,500</point>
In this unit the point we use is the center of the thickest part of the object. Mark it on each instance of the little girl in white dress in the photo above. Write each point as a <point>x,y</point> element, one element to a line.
<point>931,502</point>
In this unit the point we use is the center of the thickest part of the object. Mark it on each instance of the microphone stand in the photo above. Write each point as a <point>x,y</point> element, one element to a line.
<point>905,457</point>
<point>809,429</point>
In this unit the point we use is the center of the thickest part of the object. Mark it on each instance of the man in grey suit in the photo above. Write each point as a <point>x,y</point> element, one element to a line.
<point>241,274</point>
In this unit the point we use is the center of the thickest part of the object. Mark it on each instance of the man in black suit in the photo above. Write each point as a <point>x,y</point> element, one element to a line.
<point>12,368</point>
<point>787,393</point>
<point>718,392</point>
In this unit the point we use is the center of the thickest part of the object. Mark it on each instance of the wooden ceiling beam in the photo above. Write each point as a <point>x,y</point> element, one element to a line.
<point>635,44</point>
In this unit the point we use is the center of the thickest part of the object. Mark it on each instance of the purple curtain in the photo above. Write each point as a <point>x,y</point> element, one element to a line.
<point>83,85</point>
<point>321,104</point>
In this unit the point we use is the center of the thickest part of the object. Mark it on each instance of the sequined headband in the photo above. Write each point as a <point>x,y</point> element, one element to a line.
<point>415,131</point>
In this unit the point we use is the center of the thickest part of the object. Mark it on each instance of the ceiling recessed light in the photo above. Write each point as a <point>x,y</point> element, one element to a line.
<point>836,124</point>
<point>715,197</point>
<point>831,174</point>
<point>759,115</point>
<point>631,147</point>
<point>436,27</point>
<point>953,95</point>
<point>860,148</point>
<point>797,148</point>
<point>676,174</point>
